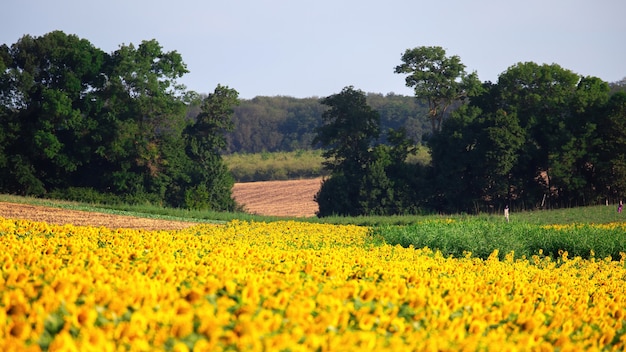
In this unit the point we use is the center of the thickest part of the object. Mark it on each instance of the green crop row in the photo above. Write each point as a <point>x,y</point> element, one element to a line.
<point>480,237</point>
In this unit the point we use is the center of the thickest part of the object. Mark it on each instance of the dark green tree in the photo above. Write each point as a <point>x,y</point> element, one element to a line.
<point>7,134</point>
<point>411,186</point>
<point>210,180</point>
<point>500,149</point>
<point>350,128</point>
<point>555,107</point>
<point>76,121</point>
<point>437,79</point>
<point>145,108</point>
<point>48,88</point>
<point>455,163</point>
<point>610,149</point>
<point>472,158</point>
<point>573,170</point>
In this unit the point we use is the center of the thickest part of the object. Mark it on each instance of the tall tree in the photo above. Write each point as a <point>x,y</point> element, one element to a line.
<point>437,79</point>
<point>210,180</point>
<point>73,116</point>
<point>350,127</point>
<point>146,108</point>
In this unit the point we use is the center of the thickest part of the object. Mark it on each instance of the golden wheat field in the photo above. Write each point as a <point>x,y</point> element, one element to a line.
<point>291,286</point>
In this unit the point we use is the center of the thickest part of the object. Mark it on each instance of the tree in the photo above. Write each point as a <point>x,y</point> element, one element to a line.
<point>555,107</point>
<point>210,180</point>
<point>48,87</point>
<point>77,121</point>
<point>500,148</point>
<point>455,162</point>
<point>438,79</point>
<point>350,127</point>
<point>610,166</point>
<point>144,108</point>
<point>575,157</point>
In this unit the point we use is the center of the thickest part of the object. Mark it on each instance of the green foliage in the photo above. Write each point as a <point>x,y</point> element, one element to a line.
<point>349,129</point>
<point>198,198</point>
<point>46,84</point>
<point>437,79</point>
<point>473,157</point>
<point>610,148</point>
<point>108,126</point>
<point>537,138</point>
<point>366,177</point>
<point>481,237</point>
<point>285,124</point>
<point>336,197</point>
<point>86,195</point>
<point>358,182</point>
<point>210,182</point>
<point>542,97</point>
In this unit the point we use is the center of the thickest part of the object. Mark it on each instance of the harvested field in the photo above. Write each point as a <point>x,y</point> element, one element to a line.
<point>279,198</point>
<point>84,218</point>
<point>274,198</point>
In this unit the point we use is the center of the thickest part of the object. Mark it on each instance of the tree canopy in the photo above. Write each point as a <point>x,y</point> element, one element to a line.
<point>438,79</point>
<point>541,137</point>
<point>77,120</point>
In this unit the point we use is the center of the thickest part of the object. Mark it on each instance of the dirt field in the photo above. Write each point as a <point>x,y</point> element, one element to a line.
<point>279,198</point>
<point>76,217</point>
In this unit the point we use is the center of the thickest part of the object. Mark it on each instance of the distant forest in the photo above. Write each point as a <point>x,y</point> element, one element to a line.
<point>282,123</point>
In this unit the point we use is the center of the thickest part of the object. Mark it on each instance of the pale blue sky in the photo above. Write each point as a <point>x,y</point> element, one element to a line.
<point>315,48</point>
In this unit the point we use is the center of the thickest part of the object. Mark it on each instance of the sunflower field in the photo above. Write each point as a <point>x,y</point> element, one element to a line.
<point>292,286</point>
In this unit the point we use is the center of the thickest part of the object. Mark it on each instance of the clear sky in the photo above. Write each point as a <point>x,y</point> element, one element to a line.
<point>306,48</point>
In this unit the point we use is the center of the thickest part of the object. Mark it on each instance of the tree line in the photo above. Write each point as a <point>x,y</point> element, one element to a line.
<point>286,124</point>
<point>541,136</point>
<point>77,122</point>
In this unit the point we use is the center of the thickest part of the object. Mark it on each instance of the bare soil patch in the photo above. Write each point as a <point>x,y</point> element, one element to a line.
<point>279,198</point>
<point>273,198</point>
<point>84,218</point>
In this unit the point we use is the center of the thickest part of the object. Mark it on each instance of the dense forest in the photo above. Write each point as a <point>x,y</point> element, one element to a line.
<point>79,123</point>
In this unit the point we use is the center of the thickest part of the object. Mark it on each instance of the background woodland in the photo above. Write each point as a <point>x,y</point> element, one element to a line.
<point>79,123</point>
